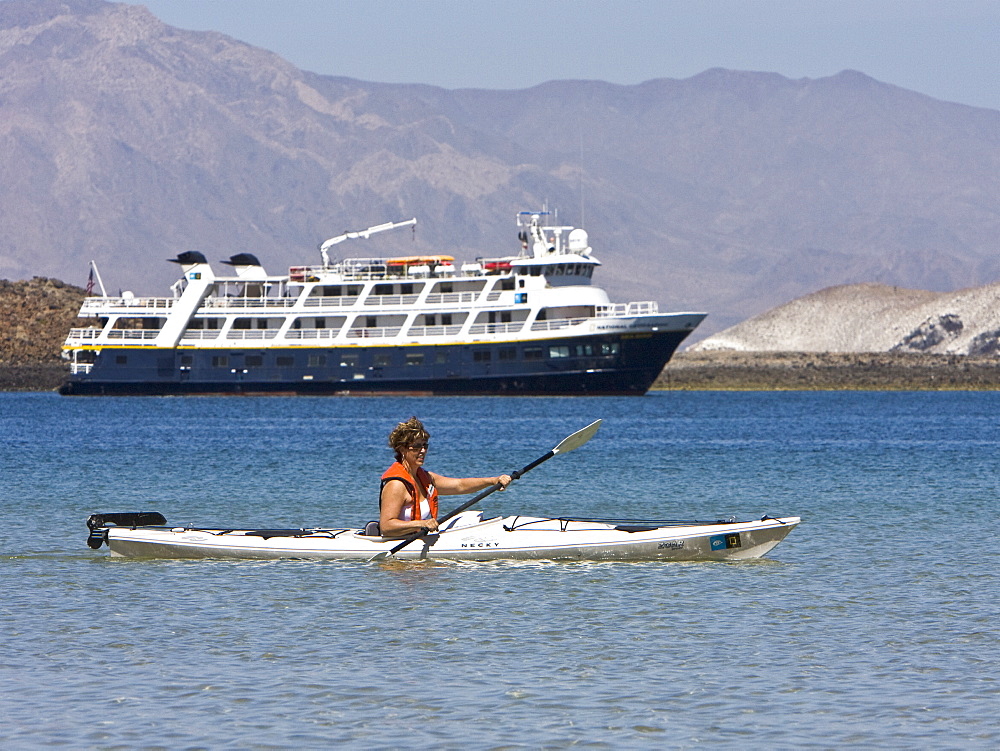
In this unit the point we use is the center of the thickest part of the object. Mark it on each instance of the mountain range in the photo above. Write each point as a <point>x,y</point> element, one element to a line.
<point>126,141</point>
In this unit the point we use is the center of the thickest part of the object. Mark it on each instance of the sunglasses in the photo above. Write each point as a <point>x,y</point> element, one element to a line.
<point>418,447</point>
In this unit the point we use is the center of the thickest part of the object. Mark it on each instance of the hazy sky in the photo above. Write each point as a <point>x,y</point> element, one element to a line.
<point>948,49</point>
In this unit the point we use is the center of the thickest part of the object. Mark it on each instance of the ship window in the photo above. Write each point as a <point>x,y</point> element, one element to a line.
<point>371,322</point>
<point>508,353</point>
<point>382,361</point>
<point>285,361</point>
<point>187,360</point>
<point>481,355</point>
<point>506,284</point>
<point>220,361</point>
<point>382,289</point>
<point>414,358</point>
<point>533,353</point>
<point>609,349</point>
<point>584,350</point>
<point>349,361</point>
<point>445,288</point>
<point>430,320</point>
<point>317,361</point>
<point>406,289</point>
<point>446,319</point>
<point>253,361</point>
<point>559,351</point>
<point>241,323</point>
<point>441,356</point>
<point>536,270</point>
<point>121,359</point>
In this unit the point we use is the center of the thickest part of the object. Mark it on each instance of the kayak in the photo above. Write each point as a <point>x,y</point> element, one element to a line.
<point>467,536</point>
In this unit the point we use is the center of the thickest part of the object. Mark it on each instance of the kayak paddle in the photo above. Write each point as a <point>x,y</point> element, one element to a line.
<point>574,441</point>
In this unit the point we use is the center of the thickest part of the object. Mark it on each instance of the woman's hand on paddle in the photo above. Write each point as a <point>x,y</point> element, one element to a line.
<point>504,481</point>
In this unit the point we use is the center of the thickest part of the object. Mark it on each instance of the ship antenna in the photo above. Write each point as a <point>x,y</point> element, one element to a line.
<point>583,212</point>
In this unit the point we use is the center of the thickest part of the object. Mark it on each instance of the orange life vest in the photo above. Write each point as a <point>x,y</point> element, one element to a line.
<point>398,472</point>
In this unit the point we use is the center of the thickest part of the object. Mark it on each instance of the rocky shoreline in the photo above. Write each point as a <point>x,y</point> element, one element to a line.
<point>40,377</point>
<point>825,371</point>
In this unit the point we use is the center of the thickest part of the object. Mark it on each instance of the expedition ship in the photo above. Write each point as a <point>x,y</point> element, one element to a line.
<point>526,324</point>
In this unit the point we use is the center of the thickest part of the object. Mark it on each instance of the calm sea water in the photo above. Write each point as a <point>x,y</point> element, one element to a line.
<point>874,624</point>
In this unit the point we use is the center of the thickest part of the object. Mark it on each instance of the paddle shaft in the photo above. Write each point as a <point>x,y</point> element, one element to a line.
<point>473,501</point>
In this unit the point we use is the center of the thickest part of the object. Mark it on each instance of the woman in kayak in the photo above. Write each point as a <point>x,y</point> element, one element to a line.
<point>408,500</point>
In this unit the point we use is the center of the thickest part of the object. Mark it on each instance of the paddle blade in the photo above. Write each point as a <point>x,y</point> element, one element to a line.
<point>579,438</point>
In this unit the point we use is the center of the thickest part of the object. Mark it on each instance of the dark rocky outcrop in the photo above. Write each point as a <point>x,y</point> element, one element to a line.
<point>35,316</point>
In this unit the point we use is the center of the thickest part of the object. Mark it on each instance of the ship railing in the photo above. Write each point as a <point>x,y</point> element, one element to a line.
<point>451,298</point>
<point>94,305</point>
<point>496,328</point>
<point>312,333</point>
<point>250,302</point>
<point>362,269</point>
<point>616,310</point>
<point>556,324</point>
<point>330,302</point>
<point>78,368</point>
<point>388,300</point>
<point>134,334</point>
<point>196,334</point>
<point>434,330</point>
<point>374,333</point>
<point>364,275</point>
<point>257,334</point>
<point>88,334</point>
<point>350,268</point>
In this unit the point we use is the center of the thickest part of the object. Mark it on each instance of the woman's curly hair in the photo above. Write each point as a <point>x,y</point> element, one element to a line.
<point>406,434</point>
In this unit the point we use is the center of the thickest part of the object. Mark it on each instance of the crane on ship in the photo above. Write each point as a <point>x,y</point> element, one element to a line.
<point>363,234</point>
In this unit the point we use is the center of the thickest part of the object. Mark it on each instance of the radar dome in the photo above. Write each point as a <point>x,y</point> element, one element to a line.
<point>578,241</point>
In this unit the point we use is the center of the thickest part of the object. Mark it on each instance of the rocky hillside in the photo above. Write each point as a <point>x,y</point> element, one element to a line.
<point>873,318</point>
<point>126,141</point>
<point>35,316</point>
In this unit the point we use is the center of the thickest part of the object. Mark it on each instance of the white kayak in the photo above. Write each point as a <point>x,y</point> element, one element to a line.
<point>466,536</point>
